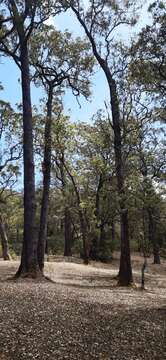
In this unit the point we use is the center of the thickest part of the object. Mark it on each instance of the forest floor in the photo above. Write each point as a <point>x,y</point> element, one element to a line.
<point>82,314</point>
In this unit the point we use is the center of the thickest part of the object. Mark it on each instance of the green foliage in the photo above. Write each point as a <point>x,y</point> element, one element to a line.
<point>149,64</point>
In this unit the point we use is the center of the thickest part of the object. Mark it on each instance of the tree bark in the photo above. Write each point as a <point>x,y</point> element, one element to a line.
<point>46,182</point>
<point>4,241</point>
<point>125,271</point>
<point>29,262</point>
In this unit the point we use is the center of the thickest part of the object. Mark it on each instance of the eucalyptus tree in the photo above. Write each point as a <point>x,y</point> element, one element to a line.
<point>11,153</point>
<point>10,139</point>
<point>148,65</point>
<point>101,22</point>
<point>72,174</point>
<point>60,62</point>
<point>144,159</point>
<point>18,19</point>
<point>152,158</point>
<point>96,152</point>
<point>62,147</point>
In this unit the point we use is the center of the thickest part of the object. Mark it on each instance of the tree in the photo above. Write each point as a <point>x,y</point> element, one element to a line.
<point>95,148</point>
<point>17,21</point>
<point>64,158</point>
<point>11,152</point>
<point>148,66</point>
<point>99,22</point>
<point>59,62</point>
<point>4,240</point>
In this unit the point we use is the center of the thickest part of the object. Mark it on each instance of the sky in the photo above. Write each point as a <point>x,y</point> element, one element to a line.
<point>10,74</point>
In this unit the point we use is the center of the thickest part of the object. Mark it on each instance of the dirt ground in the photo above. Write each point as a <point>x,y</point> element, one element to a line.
<point>82,314</point>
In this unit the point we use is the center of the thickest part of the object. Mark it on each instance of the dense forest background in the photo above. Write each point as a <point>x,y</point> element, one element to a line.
<point>100,181</point>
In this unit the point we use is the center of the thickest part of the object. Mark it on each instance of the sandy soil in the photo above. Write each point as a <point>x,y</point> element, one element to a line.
<point>82,314</point>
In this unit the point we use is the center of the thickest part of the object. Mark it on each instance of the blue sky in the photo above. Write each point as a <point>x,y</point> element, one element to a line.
<point>10,74</point>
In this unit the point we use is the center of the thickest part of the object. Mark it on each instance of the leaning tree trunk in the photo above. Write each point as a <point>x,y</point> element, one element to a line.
<point>46,183</point>
<point>29,262</point>
<point>4,241</point>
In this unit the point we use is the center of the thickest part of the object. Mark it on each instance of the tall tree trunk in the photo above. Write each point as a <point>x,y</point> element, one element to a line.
<point>125,271</point>
<point>29,262</point>
<point>152,238</point>
<point>46,182</point>
<point>68,233</point>
<point>4,241</point>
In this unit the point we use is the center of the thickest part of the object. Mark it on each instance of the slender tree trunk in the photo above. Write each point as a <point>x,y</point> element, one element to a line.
<point>125,271</point>
<point>46,182</point>
<point>68,233</point>
<point>29,262</point>
<point>152,238</point>
<point>4,241</point>
<point>84,238</point>
<point>144,266</point>
<point>17,235</point>
<point>156,254</point>
<point>145,245</point>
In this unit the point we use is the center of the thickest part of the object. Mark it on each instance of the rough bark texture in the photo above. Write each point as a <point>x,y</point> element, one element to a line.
<point>29,262</point>
<point>46,183</point>
<point>4,241</point>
